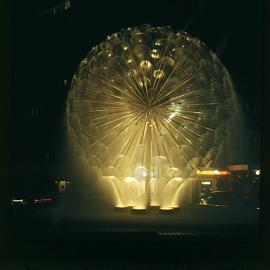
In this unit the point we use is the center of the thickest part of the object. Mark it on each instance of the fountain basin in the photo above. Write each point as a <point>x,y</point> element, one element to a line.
<point>167,210</point>
<point>139,210</point>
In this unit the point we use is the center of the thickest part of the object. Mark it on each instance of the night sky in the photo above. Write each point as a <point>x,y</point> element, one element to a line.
<point>48,48</point>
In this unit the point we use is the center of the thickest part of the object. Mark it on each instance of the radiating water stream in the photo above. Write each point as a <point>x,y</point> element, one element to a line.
<point>148,107</point>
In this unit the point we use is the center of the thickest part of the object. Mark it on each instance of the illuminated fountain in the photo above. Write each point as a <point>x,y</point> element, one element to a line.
<point>148,107</point>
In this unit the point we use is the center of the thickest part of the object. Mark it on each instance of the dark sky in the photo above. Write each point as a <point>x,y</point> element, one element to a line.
<point>48,48</point>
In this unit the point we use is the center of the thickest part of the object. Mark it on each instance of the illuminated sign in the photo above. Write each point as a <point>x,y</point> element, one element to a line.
<point>212,172</point>
<point>207,183</point>
<point>241,167</point>
<point>223,173</point>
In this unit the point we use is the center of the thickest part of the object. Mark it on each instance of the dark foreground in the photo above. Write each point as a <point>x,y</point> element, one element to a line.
<point>93,221</point>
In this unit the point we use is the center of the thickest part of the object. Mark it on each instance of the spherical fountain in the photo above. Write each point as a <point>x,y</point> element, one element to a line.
<point>148,107</point>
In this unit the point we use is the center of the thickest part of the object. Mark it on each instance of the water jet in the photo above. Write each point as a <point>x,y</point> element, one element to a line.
<point>148,107</point>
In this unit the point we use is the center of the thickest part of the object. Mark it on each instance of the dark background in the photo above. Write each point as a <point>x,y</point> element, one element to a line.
<point>49,43</point>
<point>31,255</point>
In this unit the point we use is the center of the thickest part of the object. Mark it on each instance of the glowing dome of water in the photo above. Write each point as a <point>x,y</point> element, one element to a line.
<point>146,108</point>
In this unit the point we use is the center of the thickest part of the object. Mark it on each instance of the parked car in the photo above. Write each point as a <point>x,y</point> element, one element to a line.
<point>220,198</point>
<point>18,201</point>
<point>43,200</point>
<point>47,199</point>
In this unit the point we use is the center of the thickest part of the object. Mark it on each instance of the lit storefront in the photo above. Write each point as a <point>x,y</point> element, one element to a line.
<point>241,180</point>
<point>246,181</point>
<point>212,180</point>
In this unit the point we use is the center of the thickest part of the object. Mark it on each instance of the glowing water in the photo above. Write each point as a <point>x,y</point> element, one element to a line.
<point>148,107</point>
<point>170,196</point>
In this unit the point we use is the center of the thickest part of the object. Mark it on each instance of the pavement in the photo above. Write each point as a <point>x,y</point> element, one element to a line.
<point>96,219</point>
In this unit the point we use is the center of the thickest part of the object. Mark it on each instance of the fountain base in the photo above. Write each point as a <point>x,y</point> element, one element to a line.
<point>167,211</point>
<point>122,209</point>
<point>139,211</point>
<point>143,211</point>
<point>154,208</point>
